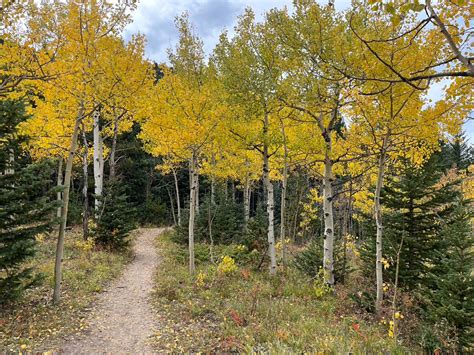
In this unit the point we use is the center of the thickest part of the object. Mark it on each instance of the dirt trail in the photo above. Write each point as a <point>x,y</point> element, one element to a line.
<point>122,319</point>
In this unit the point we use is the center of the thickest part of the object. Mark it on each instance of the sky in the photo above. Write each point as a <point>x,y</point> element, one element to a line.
<point>155,19</point>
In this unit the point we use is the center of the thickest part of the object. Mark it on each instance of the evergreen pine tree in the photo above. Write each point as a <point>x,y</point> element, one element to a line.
<point>415,208</point>
<point>225,217</point>
<point>451,288</point>
<point>27,204</point>
<point>143,183</point>
<point>116,218</point>
<point>457,153</point>
<point>310,260</point>
<point>256,236</point>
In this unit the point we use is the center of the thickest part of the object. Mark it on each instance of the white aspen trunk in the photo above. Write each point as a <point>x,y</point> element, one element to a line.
<point>64,209</point>
<point>178,202</point>
<point>213,183</point>
<point>247,196</point>
<point>112,162</point>
<point>192,211</point>
<point>283,221</point>
<point>10,170</point>
<point>328,258</point>
<point>270,203</point>
<point>213,190</point>
<point>345,212</point>
<point>283,197</point>
<point>197,190</point>
<point>85,209</point>
<point>246,204</point>
<point>59,183</point>
<point>101,162</point>
<point>170,195</point>
<point>232,185</point>
<point>328,211</point>
<point>98,161</point>
<point>379,225</point>
<point>271,225</point>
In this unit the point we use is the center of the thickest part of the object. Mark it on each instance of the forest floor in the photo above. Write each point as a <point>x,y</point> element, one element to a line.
<point>122,319</point>
<point>238,308</point>
<point>107,305</point>
<point>153,305</point>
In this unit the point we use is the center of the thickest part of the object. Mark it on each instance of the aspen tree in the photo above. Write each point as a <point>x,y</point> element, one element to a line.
<point>231,159</point>
<point>169,165</point>
<point>247,65</point>
<point>313,38</point>
<point>85,173</point>
<point>443,26</point>
<point>178,199</point>
<point>283,194</point>
<point>395,121</point>
<point>98,161</point>
<point>59,183</point>
<point>83,26</point>
<point>65,207</point>
<point>78,35</point>
<point>125,80</point>
<point>184,114</point>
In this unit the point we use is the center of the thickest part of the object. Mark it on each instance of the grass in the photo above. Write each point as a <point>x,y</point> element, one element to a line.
<point>248,311</point>
<point>33,322</point>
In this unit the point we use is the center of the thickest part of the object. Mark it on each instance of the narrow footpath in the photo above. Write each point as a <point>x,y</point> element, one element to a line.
<point>122,319</point>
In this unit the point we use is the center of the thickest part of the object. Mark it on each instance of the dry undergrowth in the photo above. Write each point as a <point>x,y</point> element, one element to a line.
<point>33,322</point>
<point>227,309</point>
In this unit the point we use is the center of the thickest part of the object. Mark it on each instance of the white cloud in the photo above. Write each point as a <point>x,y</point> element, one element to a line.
<point>155,18</point>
